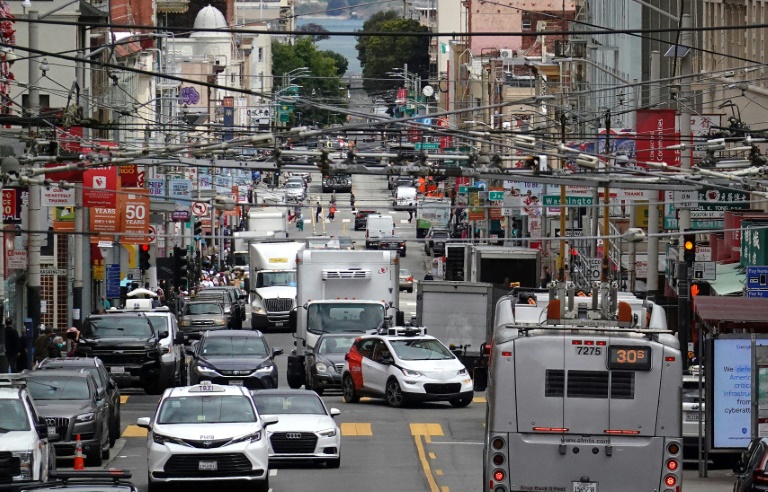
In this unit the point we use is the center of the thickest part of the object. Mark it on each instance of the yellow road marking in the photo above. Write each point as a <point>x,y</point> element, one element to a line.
<point>445,488</point>
<point>439,473</point>
<point>123,399</point>
<point>365,398</point>
<point>424,463</point>
<point>134,431</point>
<point>432,456</point>
<point>356,429</point>
<point>427,430</point>
<point>479,399</point>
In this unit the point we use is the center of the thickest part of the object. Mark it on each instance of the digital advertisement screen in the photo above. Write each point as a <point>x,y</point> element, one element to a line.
<point>732,392</point>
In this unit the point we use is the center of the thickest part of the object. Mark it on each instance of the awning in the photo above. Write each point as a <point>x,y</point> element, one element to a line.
<point>729,280</point>
<point>731,309</point>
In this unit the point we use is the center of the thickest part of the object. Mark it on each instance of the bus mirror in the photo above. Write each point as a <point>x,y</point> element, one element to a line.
<point>292,320</point>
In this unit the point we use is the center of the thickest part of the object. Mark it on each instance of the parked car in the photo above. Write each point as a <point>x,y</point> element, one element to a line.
<point>751,469</point>
<point>25,439</point>
<point>207,432</point>
<point>341,183</point>
<point>434,241</point>
<point>234,357</point>
<point>406,280</point>
<point>361,218</point>
<point>103,380</point>
<point>112,480</point>
<point>129,346</point>
<point>326,361</point>
<point>305,430</point>
<point>394,243</point>
<point>306,177</point>
<point>197,317</point>
<point>72,405</point>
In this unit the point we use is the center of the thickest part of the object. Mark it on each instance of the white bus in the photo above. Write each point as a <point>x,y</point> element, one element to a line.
<point>583,396</point>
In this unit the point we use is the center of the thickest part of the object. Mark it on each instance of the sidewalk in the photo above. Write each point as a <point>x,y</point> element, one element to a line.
<point>717,480</point>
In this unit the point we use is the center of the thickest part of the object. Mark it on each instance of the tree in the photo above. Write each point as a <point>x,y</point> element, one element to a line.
<point>322,84</point>
<point>316,31</point>
<point>341,61</point>
<point>381,54</point>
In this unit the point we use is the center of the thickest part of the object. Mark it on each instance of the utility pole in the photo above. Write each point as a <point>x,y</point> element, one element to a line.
<point>34,209</point>
<point>606,264</point>
<point>653,207</point>
<point>563,208</point>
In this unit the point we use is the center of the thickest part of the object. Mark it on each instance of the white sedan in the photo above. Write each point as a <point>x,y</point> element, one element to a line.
<point>306,430</point>
<point>207,432</point>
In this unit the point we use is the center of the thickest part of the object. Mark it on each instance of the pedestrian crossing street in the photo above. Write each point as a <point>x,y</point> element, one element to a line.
<point>348,429</point>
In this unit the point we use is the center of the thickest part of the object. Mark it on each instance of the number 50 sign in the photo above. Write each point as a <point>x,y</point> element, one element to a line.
<point>135,216</point>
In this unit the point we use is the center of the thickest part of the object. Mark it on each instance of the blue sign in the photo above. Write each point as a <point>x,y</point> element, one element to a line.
<point>112,274</point>
<point>757,278</point>
<point>481,184</point>
<point>757,293</point>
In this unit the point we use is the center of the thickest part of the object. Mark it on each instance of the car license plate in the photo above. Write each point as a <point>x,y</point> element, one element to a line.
<point>51,430</point>
<point>208,466</point>
<point>235,382</point>
<point>279,324</point>
<point>691,416</point>
<point>584,486</point>
<point>117,370</point>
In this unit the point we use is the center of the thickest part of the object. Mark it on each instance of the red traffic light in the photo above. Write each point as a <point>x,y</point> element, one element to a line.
<point>145,247</point>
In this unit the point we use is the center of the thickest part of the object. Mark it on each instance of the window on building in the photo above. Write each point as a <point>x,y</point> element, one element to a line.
<point>261,55</point>
<point>526,24</point>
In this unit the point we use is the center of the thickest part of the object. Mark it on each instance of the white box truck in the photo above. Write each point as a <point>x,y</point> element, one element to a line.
<point>271,223</point>
<point>341,292</point>
<point>272,281</point>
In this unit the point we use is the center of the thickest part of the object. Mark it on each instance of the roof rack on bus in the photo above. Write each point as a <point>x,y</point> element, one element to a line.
<point>604,308</point>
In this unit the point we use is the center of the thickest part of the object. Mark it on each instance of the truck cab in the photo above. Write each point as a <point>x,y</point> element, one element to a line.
<point>272,283</point>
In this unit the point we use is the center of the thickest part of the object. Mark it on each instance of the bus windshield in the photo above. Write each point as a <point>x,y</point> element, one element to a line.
<point>344,317</point>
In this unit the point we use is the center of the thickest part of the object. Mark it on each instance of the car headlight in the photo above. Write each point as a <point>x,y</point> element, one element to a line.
<point>257,309</point>
<point>161,439</point>
<point>265,367</point>
<point>205,370</point>
<point>219,322</point>
<point>410,374</point>
<point>328,433</point>
<point>256,436</point>
<point>85,417</point>
<point>184,322</point>
<point>321,367</point>
<point>462,372</point>
<point>26,465</point>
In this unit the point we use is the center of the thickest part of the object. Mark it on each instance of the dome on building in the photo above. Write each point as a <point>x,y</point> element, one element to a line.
<point>209,18</point>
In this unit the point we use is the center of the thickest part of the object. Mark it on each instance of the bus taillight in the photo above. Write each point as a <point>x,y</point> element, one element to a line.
<point>550,429</point>
<point>499,475</point>
<point>670,480</point>
<point>498,459</point>
<point>621,431</point>
<point>498,443</point>
<point>672,465</point>
<point>673,448</point>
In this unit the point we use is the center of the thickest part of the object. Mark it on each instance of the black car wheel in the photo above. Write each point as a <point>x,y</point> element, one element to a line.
<point>349,391</point>
<point>394,394</point>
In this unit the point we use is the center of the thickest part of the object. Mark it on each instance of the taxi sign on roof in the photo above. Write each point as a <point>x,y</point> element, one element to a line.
<point>207,387</point>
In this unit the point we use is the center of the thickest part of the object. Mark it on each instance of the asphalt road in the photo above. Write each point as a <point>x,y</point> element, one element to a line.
<point>431,447</point>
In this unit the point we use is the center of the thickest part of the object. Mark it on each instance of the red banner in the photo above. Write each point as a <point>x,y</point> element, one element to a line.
<point>135,216</point>
<point>99,187</point>
<point>655,134</point>
<point>104,220</point>
<point>129,176</point>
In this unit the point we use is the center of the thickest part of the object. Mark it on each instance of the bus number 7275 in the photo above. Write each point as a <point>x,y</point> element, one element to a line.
<point>589,351</point>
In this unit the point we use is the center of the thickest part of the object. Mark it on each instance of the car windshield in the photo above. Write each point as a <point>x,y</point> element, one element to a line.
<point>218,297</point>
<point>276,279</point>
<point>335,345</point>
<point>241,259</point>
<point>159,322</point>
<point>288,404</point>
<point>202,308</point>
<point>420,349</point>
<point>116,326</point>
<point>344,317</point>
<point>294,185</point>
<point>206,410</point>
<point>405,273</point>
<point>234,346</point>
<point>58,388</point>
<point>13,417</point>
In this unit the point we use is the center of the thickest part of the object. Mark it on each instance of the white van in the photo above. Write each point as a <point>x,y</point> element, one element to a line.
<point>377,226</point>
<point>405,198</point>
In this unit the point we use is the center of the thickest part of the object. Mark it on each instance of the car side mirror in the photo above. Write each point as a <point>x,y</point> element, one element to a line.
<point>162,334</point>
<point>101,393</point>
<point>387,361</point>
<point>189,350</point>
<point>335,412</point>
<point>42,430</point>
<point>111,384</point>
<point>144,422</point>
<point>269,420</point>
<point>277,351</point>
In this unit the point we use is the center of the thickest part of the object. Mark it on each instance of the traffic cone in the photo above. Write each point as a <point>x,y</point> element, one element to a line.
<point>79,461</point>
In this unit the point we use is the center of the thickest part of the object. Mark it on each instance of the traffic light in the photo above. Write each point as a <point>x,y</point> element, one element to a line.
<point>144,257</point>
<point>699,288</point>
<point>198,229</point>
<point>180,266</point>
<point>689,247</point>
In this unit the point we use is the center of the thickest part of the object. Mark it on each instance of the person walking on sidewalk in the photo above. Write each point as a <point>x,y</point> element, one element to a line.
<point>318,212</point>
<point>332,211</point>
<point>352,201</point>
<point>300,221</point>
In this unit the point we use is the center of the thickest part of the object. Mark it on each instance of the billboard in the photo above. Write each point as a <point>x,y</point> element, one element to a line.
<point>656,131</point>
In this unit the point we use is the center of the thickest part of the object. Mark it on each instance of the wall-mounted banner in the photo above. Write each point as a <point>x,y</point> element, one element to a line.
<point>180,190</point>
<point>57,197</point>
<point>156,189</point>
<point>135,216</point>
<point>99,187</point>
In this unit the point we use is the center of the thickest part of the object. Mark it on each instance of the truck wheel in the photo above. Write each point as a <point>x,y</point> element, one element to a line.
<point>349,391</point>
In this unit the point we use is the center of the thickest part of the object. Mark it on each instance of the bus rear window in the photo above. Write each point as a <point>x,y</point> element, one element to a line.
<point>590,384</point>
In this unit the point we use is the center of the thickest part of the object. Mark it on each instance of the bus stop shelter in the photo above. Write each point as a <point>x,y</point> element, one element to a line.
<point>728,314</point>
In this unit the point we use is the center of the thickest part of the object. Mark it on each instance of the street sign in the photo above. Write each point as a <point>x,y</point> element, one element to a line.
<point>571,201</point>
<point>757,293</point>
<point>495,195</point>
<point>463,189</point>
<point>152,236</point>
<point>757,278</point>
<point>113,280</point>
<point>200,209</point>
<point>180,216</point>
<point>704,270</point>
<point>703,253</point>
<point>686,199</point>
<point>427,146</point>
<point>595,268</point>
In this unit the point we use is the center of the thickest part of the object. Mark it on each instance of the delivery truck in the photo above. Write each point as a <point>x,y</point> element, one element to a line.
<point>272,281</point>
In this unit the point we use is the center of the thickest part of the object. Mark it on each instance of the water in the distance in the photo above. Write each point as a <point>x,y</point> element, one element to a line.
<point>345,45</point>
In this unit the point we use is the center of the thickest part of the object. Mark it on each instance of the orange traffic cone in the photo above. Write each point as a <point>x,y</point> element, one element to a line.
<point>79,461</point>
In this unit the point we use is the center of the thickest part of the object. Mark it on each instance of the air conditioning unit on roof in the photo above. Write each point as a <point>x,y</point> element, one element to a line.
<point>506,54</point>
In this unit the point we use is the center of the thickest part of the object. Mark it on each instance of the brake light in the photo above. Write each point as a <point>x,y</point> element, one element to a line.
<point>498,475</point>
<point>550,429</point>
<point>670,480</point>
<point>589,342</point>
<point>673,448</point>
<point>669,359</point>
<point>601,344</point>
<point>672,465</point>
<point>621,431</point>
<point>759,477</point>
<point>506,354</point>
<point>410,279</point>
<point>575,342</point>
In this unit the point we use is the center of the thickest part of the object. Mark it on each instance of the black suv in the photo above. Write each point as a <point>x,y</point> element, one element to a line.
<point>72,405</point>
<point>361,219</point>
<point>128,345</point>
<point>434,241</point>
<point>103,380</point>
